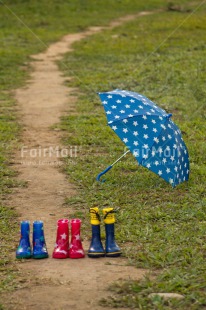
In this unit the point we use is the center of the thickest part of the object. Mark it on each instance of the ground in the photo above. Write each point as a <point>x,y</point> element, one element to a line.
<point>50,283</point>
<point>159,228</point>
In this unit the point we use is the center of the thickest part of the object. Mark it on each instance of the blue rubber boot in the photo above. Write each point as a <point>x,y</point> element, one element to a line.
<point>24,248</point>
<point>96,248</point>
<point>111,248</point>
<point>39,244</point>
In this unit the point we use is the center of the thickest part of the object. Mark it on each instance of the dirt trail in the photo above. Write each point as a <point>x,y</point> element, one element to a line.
<point>54,284</point>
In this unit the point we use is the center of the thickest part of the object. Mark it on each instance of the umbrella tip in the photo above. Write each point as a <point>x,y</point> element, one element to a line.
<point>169,115</point>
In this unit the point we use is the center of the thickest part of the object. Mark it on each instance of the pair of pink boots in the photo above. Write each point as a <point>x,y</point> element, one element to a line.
<point>64,249</point>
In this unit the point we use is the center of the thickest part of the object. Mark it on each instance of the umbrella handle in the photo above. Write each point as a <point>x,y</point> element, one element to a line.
<point>103,172</point>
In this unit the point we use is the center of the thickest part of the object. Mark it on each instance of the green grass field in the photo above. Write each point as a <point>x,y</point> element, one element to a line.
<point>26,28</point>
<point>163,229</point>
<point>161,56</point>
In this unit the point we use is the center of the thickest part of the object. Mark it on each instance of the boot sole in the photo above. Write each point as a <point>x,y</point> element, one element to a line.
<point>60,257</point>
<point>23,256</point>
<point>114,254</point>
<point>40,256</point>
<point>96,255</point>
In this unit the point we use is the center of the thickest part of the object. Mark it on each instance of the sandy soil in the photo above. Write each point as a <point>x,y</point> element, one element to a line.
<point>50,283</point>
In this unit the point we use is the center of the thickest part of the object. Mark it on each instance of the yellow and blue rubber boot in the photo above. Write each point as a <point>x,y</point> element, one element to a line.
<point>96,248</point>
<point>112,249</point>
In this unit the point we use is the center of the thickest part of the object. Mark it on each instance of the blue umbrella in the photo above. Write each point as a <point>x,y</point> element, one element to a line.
<point>149,133</point>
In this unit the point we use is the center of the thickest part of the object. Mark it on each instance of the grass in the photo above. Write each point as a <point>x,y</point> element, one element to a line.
<point>8,133</point>
<point>26,28</point>
<point>159,228</point>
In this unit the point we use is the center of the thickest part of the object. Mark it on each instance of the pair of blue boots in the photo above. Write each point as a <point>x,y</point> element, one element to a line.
<point>96,248</point>
<point>24,249</point>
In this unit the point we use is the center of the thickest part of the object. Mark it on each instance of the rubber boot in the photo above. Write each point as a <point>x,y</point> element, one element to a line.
<point>39,244</point>
<point>76,248</point>
<point>24,248</point>
<point>61,249</point>
<point>112,249</point>
<point>96,248</point>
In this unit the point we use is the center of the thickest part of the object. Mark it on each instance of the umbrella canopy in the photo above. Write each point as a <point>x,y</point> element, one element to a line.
<point>149,133</point>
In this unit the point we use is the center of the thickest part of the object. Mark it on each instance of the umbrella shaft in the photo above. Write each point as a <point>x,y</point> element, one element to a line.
<point>120,158</point>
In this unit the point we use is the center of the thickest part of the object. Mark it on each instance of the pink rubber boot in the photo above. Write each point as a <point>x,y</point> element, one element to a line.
<point>76,249</point>
<point>61,249</point>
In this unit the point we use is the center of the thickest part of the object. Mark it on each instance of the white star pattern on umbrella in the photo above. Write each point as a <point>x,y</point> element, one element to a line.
<point>138,120</point>
<point>135,153</point>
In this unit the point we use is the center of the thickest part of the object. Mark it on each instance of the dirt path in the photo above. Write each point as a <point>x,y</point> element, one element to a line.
<point>50,283</point>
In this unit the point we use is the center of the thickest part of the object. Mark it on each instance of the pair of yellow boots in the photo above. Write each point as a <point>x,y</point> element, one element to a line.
<point>96,248</point>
